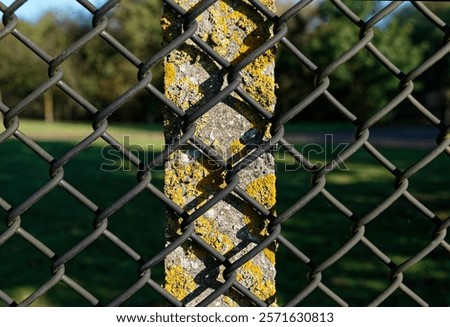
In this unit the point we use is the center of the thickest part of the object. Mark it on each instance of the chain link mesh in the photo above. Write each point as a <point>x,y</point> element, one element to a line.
<point>59,259</point>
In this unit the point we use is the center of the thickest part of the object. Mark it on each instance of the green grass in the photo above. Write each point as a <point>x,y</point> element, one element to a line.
<point>317,230</point>
<point>401,231</point>
<point>316,127</point>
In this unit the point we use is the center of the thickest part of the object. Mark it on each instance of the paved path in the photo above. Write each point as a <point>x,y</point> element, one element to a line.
<point>419,137</point>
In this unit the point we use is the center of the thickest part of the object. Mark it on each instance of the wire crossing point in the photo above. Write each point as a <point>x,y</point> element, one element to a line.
<point>193,80</point>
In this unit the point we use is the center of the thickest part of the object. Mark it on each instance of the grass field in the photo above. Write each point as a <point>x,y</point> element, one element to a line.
<point>318,229</point>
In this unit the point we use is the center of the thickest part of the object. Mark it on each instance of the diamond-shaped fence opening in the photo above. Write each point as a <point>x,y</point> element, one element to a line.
<point>349,212</point>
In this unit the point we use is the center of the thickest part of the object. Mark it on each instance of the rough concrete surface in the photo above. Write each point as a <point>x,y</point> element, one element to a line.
<point>233,28</point>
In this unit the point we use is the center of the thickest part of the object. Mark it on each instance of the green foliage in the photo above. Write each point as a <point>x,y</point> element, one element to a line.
<point>437,79</point>
<point>362,84</point>
<point>136,24</point>
<point>107,74</point>
<point>320,31</point>
<point>20,72</point>
<point>318,229</point>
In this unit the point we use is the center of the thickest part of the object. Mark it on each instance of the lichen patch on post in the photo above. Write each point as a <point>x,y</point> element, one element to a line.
<point>233,28</point>
<point>263,190</point>
<point>179,282</point>
<point>261,286</point>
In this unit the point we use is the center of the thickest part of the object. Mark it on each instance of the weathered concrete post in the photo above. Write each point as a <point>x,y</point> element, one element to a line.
<point>233,28</point>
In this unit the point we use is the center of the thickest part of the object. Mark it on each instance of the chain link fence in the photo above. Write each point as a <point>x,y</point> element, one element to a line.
<point>311,279</point>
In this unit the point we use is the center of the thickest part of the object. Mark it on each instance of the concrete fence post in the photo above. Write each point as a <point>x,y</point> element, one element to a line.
<point>233,28</point>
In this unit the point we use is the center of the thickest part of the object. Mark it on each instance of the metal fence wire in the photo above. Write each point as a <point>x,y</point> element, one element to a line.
<point>395,270</point>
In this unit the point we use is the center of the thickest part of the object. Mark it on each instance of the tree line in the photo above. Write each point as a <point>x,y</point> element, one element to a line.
<point>320,31</point>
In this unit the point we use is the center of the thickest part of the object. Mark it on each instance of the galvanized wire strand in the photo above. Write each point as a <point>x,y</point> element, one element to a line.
<point>396,280</point>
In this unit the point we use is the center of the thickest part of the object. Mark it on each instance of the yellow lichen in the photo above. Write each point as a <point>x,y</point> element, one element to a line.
<point>260,85</point>
<point>267,131</point>
<point>229,301</point>
<point>165,23</point>
<point>179,283</point>
<point>261,285</point>
<point>263,190</point>
<point>270,4</point>
<point>193,180</point>
<point>175,193</point>
<point>169,74</point>
<point>236,147</point>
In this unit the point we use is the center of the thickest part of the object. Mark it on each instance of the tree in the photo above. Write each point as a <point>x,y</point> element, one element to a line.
<point>21,72</point>
<point>106,74</point>
<point>363,85</point>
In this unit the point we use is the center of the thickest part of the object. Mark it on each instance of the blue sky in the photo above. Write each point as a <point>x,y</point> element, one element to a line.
<point>32,10</point>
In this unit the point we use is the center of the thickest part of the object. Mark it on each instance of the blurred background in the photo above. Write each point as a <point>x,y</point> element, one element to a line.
<point>101,74</point>
<point>98,72</point>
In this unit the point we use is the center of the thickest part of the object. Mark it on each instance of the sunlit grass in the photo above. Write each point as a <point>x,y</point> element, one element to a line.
<point>133,135</point>
<point>318,229</point>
